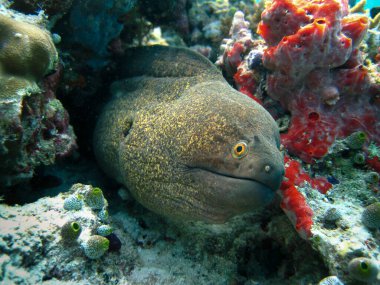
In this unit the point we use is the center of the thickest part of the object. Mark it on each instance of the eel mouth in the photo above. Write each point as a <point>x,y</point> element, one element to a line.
<point>237,179</point>
<point>228,195</point>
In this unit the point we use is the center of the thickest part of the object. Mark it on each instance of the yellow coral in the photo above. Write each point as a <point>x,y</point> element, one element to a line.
<point>375,22</point>
<point>26,50</point>
<point>359,7</point>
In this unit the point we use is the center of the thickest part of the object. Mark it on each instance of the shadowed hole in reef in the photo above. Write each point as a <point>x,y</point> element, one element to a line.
<point>263,260</point>
<point>49,181</point>
<point>269,261</point>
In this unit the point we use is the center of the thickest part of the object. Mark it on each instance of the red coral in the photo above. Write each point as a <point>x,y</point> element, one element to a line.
<point>355,27</point>
<point>316,73</point>
<point>374,162</point>
<point>296,176</point>
<point>246,83</point>
<point>298,211</point>
<point>293,202</point>
<point>234,56</point>
<point>280,20</point>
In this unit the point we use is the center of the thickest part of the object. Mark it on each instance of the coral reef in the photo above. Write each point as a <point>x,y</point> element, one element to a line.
<point>34,125</point>
<point>42,241</point>
<point>337,228</point>
<point>293,202</point>
<point>326,104</point>
<point>247,250</point>
<point>144,249</point>
<point>316,72</point>
<point>210,20</point>
<point>314,63</point>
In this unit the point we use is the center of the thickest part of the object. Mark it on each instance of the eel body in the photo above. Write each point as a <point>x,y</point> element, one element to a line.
<point>185,143</point>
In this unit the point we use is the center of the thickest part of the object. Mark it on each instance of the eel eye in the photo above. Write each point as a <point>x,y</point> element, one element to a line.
<point>239,150</point>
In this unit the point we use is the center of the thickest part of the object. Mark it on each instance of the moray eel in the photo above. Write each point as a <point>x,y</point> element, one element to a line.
<point>185,143</point>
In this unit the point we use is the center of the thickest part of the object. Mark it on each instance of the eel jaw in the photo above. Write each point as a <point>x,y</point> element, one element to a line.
<point>226,196</point>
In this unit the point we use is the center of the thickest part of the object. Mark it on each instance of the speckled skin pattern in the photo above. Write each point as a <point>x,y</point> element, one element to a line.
<point>169,132</point>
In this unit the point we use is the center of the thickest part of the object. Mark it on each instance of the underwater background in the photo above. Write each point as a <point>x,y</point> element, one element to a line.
<point>133,131</point>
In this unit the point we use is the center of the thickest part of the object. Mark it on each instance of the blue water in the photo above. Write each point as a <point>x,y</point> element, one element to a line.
<point>371,3</point>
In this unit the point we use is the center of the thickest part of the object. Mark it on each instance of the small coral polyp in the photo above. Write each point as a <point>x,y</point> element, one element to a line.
<point>316,72</point>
